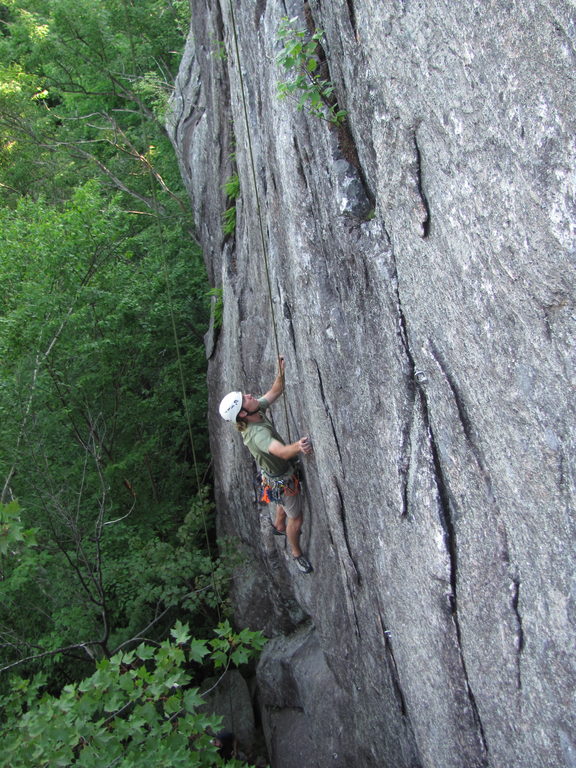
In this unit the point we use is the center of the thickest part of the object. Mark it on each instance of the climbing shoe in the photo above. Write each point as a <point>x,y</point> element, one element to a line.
<point>275,530</point>
<point>303,565</point>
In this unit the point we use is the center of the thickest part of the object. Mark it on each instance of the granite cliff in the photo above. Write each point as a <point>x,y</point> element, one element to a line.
<point>421,262</point>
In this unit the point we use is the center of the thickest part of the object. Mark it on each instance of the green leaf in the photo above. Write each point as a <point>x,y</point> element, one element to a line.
<point>192,700</point>
<point>224,629</point>
<point>180,633</point>
<point>220,658</point>
<point>198,650</point>
<point>145,653</point>
<point>114,702</point>
<point>240,656</point>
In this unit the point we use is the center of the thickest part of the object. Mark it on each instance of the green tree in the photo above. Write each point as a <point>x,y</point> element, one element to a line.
<point>102,315</point>
<point>82,92</point>
<point>98,332</point>
<point>140,707</point>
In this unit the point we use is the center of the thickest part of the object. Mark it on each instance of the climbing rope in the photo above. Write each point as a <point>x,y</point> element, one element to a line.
<point>258,208</point>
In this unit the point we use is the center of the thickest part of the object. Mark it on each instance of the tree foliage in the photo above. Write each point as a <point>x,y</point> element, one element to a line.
<point>102,367</point>
<point>140,707</point>
<point>83,88</point>
<point>304,62</point>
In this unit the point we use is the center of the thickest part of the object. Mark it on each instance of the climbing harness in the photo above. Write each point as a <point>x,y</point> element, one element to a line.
<point>257,199</point>
<point>273,489</point>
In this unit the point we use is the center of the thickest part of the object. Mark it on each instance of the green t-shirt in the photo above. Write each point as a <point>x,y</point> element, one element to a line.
<point>257,438</point>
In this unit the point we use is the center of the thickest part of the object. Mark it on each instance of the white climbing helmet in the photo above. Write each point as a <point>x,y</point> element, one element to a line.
<point>231,406</point>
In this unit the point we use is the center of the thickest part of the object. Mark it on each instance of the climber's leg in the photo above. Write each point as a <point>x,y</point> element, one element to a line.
<point>292,518</point>
<point>292,505</point>
<point>293,527</point>
<point>280,519</point>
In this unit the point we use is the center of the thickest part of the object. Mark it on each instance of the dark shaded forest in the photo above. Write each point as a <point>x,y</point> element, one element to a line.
<point>108,566</point>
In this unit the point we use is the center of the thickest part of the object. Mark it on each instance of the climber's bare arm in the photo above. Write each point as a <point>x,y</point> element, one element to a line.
<point>276,448</point>
<point>278,387</point>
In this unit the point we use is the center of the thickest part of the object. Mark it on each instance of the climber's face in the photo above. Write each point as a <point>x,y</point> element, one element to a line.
<point>250,404</point>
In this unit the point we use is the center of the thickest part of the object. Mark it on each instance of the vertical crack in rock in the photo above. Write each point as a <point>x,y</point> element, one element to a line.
<point>352,16</point>
<point>402,325</point>
<point>287,312</point>
<point>465,420</point>
<point>393,667</point>
<point>328,413</point>
<point>325,506</point>
<point>407,432</point>
<point>406,449</point>
<point>301,158</point>
<point>424,213</point>
<point>259,9</point>
<point>468,431</point>
<point>353,571</point>
<point>446,520</point>
<point>514,588</point>
<point>515,597</point>
<point>357,622</point>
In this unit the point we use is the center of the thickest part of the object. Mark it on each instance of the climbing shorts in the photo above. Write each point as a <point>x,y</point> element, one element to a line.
<point>292,504</point>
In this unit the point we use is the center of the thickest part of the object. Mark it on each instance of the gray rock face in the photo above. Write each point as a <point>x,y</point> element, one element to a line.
<point>421,270</point>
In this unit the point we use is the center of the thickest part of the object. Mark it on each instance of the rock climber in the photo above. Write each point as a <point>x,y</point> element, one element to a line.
<point>277,461</point>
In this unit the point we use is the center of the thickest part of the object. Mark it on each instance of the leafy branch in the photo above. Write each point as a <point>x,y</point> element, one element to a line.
<point>232,188</point>
<point>301,57</point>
<point>138,707</point>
